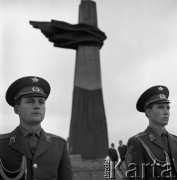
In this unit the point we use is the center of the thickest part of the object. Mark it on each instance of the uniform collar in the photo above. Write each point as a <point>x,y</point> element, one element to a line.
<point>25,131</point>
<point>154,135</point>
<point>157,131</point>
<point>18,143</point>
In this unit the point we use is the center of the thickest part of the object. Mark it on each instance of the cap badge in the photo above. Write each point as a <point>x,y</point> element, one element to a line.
<point>35,88</point>
<point>160,88</point>
<point>162,96</point>
<point>35,79</point>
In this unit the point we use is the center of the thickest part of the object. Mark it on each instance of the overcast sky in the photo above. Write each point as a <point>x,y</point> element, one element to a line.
<point>140,52</point>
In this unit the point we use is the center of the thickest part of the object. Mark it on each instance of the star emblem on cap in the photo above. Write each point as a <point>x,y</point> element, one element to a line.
<point>35,79</point>
<point>160,88</point>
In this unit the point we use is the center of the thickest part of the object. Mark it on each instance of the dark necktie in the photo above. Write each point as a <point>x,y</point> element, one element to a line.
<point>32,142</point>
<point>164,139</point>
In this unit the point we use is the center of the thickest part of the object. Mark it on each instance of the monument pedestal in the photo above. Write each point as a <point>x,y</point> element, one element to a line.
<point>90,169</point>
<point>87,169</point>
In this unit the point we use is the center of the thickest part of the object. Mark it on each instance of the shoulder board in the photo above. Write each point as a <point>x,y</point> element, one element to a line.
<point>174,137</point>
<point>140,134</point>
<point>5,136</point>
<point>54,136</point>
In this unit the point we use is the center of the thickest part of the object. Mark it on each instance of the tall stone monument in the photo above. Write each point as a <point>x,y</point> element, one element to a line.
<point>88,134</point>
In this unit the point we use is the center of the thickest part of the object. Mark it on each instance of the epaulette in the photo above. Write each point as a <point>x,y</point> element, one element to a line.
<point>55,136</point>
<point>140,134</point>
<point>174,137</point>
<point>5,136</point>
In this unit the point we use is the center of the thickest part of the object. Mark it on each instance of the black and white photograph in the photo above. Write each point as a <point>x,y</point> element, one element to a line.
<point>88,89</point>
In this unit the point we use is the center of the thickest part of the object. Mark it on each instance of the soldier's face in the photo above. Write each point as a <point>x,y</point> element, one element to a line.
<point>31,110</point>
<point>159,114</point>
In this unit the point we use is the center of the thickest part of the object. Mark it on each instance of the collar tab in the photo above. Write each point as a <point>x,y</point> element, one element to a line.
<point>12,140</point>
<point>151,136</point>
<point>48,138</point>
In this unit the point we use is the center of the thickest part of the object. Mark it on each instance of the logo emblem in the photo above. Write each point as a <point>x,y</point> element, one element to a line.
<point>162,96</point>
<point>160,88</point>
<point>35,88</point>
<point>35,79</point>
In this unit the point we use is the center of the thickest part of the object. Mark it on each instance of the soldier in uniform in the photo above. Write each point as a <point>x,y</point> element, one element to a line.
<point>28,152</point>
<point>152,154</point>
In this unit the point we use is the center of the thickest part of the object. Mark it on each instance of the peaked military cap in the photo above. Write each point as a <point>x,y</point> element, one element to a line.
<point>155,94</point>
<point>28,86</point>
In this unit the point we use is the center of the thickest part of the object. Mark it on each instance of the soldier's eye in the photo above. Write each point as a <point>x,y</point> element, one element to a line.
<point>42,102</point>
<point>29,101</point>
<point>160,106</point>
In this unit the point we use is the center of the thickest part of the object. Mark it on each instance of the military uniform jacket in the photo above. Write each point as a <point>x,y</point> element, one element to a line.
<point>147,156</point>
<point>50,161</point>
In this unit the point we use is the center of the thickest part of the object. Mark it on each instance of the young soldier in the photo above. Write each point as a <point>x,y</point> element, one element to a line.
<point>28,152</point>
<point>152,154</point>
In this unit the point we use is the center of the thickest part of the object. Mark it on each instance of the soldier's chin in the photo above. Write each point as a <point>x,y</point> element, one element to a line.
<point>165,123</point>
<point>36,120</point>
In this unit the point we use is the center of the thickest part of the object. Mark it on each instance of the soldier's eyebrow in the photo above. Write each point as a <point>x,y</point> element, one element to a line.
<point>29,98</point>
<point>41,99</point>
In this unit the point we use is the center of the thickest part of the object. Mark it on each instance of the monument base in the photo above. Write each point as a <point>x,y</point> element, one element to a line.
<point>88,169</point>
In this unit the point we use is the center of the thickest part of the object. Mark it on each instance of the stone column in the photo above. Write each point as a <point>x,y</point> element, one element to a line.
<point>88,128</point>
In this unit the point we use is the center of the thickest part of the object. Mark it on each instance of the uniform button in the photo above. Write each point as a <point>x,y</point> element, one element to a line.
<point>35,165</point>
<point>173,159</point>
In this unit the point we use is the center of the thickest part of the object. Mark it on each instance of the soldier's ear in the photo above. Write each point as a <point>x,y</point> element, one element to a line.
<point>16,109</point>
<point>148,112</point>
